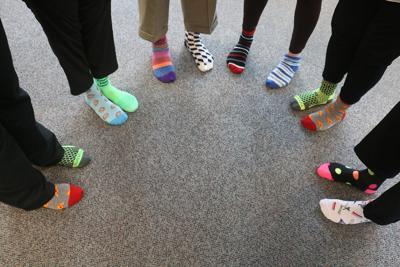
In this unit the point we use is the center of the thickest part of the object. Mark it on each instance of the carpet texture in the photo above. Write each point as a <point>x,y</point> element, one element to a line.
<point>213,170</point>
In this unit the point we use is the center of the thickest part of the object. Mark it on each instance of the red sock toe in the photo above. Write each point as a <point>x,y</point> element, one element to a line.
<point>308,124</point>
<point>76,194</point>
<point>235,68</point>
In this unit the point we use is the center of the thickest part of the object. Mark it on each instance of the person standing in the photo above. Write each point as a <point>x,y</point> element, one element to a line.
<point>305,19</point>
<point>379,151</point>
<point>365,41</point>
<point>81,36</point>
<point>200,17</point>
<point>25,142</point>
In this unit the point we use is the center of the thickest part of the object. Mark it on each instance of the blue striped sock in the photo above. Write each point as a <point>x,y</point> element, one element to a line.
<point>283,74</point>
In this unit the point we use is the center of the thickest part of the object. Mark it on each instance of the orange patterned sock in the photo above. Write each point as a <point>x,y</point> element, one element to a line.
<point>327,117</point>
<point>65,196</point>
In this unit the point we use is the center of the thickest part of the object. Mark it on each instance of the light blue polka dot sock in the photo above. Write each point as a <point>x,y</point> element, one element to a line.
<point>283,74</point>
<point>107,111</point>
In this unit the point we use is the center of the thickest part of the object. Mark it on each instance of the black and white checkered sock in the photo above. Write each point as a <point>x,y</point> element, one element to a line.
<point>203,58</point>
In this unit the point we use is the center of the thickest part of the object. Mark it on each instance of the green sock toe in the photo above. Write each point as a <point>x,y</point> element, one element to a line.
<point>124,100</point>
<point>74,157</point>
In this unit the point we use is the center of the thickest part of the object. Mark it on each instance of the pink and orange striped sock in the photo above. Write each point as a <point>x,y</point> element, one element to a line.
<point>163,69</point>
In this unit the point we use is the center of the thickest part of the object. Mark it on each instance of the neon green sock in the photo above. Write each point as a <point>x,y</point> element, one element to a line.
<point>124,100</point>
<point>321,96</point>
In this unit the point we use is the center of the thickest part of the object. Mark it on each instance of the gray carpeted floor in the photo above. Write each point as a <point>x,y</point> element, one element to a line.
<point>211,170</point>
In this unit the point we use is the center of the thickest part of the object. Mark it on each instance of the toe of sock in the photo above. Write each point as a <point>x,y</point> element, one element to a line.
<point>119,120</point>
<point>271,84</point>
<point>328,207</point>
<point>168,78</point>
<point>205,68</point>
<point>84,161</point>
<point>235,68</point>
<point>295,105</point>
<point>324,172</point>
<point>132,104</point>
<point>76,194</point>
<point>308,124</point>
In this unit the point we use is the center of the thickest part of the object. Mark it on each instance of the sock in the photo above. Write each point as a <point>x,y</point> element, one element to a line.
<point>124,100</point>
<point>326,118</point>
<point>283,74</point>
<point>107,111</point>
<point>365,180</point>
<point>203,58</point>
<point>321,96</point>
<point>74,157</point>
<point>344,212</point>
<point>65,196</point>
<point>236,60</point>
<point>163,69</point>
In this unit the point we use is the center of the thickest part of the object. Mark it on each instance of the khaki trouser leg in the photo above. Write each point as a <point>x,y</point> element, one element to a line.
<point>153,19</point>
<point>200,15</point>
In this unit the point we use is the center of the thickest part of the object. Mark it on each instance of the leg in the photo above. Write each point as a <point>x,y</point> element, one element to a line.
<point>200,16</point>
<point>379,151</point>
<point>153,19</point>
<point>379,47</point>
<point>21,185</point>
<point>385,209</point>
<point>349,22</point>
<point>60,20</point>
<point>39,145</point>
<point>236,60</point>
<point>305,20</point>
<point>97,36</point>
<point>98,42</point>
<point>153,27</point>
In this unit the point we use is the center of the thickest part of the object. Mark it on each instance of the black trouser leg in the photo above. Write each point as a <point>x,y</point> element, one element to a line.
<point>385,209</point>
<point>16,115</point>
<point>22,142</point>
<point>379,47</point>
<point>379,151</point>
<point>98,36</point>
<point>80,35</point>
<point>349,22</point>
<point>252,13</point>
<point>21,185</point>
<point>305,20</point>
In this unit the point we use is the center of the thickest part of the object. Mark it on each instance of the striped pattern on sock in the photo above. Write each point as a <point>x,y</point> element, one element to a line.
<point>236,59</point>
<point>163,69</point>
<point>284,72</point>
<point>102,82</point>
